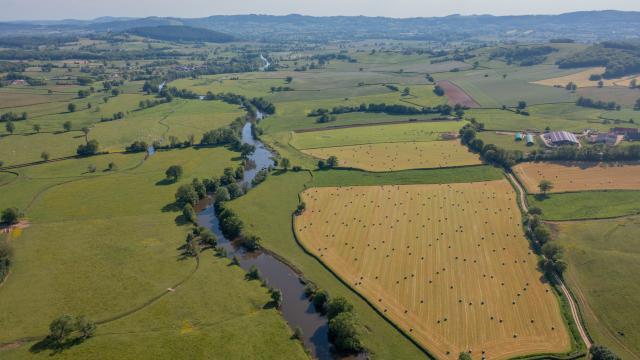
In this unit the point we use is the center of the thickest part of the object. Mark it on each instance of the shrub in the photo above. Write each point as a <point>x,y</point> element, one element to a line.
<point>319,300</point>
<point>253,274</point>
<point>189,213</point>
<point>186,195</point>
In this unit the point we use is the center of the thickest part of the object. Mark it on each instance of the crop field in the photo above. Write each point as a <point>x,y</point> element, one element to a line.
<point>579,176</point>
<point>603,263</point>
<point>456,95</point>
<point>581,79</point>
<point>400,245</point>
<point>402,132</point>
<point>400,156</point>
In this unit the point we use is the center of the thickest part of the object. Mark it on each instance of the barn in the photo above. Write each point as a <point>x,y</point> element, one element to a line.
<point>560,138</point>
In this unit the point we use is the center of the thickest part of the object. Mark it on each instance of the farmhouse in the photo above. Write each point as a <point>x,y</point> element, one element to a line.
<point>630,134</point>
<point>608,139</point>
<point>559,138</point>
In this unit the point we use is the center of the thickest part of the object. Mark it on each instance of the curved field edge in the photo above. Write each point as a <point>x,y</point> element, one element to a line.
<point>299,258</point>
<point>575,351</point>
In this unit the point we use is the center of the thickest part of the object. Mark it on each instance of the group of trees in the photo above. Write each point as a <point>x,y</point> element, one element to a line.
<point>331,162</point>
<point>6,258</point>
<point>597,152</point>
<point>90,148</point>
<point>393,109</point>
<point>70,329</point>
<point>523,55</point>
<point>137,146</point>
<point>539,233</point>
<point>489,152</point>
<point>597,104</point>
<point>250,104</point>
<point>11,116</point>
<point>619,57</point>
<point>344,329</point>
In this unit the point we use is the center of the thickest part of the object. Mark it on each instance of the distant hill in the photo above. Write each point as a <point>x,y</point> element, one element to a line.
<point>585,26</point>
<point>181,33</point>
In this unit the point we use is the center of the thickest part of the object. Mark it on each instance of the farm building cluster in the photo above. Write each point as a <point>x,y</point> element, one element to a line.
<point>553,139</point>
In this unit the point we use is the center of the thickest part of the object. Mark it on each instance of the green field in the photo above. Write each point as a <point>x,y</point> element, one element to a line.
<point>417,131</point>
<point>114,248</point>
<point>507,141</point>
<point>587,204</point>
<point>604,262</point>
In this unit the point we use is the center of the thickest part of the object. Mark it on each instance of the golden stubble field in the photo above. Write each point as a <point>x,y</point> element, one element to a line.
<point>449,264</point>
<point>581,79</point>
<point>400,156</point>
<point>579,176</point>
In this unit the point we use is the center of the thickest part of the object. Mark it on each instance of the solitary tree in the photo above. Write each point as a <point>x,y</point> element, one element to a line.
<point>44,156</point>
<point>406,92</point>
<point>86,131</point>
<point>522,104</point>
<point>10,216</point>
<point>71,107</point>
<point>464,356</point>
<point>66,126</point>
<point>36,128</point>
<point>61,327</point>
<point>545,186</point>
<point>174,172</point>
<point>285,163</point>
<point>10,127</point>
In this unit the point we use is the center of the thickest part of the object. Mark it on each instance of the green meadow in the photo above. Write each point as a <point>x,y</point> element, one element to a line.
<point>603,263</point>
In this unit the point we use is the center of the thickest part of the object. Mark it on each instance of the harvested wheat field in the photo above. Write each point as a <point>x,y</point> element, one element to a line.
<point>400,156</point>
<point>449,264</point>
<point>581,79</point>
<point>579,176</point>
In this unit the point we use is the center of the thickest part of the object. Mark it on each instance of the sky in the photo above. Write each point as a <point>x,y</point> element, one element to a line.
<point>89,9</point>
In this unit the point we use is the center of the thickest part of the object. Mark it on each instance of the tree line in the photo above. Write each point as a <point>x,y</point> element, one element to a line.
<point>393,109</point>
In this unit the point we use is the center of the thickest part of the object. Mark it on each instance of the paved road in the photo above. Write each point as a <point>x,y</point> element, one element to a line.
<point>563,287</point>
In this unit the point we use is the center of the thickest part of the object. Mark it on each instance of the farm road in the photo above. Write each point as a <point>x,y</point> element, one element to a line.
<point>563,287</point>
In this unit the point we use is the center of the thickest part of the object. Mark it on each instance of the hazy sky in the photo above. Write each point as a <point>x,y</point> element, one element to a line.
<point>87,9</point>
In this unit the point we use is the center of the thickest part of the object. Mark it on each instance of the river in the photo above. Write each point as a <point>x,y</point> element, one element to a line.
<point>296,309</point>
<point>266,63</point>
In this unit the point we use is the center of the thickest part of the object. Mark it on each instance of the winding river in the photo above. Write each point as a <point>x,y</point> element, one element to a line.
<point>296,309</point>
<point>266,63</point>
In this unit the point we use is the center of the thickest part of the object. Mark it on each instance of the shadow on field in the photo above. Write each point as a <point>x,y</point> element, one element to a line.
<point>56,347</point>
<point>165,182</point>
<point>172,207</point>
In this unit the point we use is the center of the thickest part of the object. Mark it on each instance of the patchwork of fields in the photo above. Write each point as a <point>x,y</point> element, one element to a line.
<point>400,156</point>
<point>579,176</point>
<point>449,264</point>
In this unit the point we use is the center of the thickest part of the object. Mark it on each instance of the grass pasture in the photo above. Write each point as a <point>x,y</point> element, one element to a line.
<point>359,135</point>
<point>400,156</point>
<point>579,176</point>
<point>400,245</point>
<point>98,248</point>
<point>587,204</point>
<point>604,261</point>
